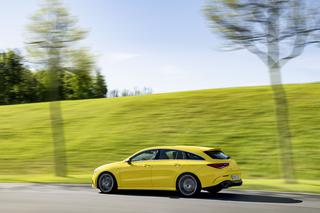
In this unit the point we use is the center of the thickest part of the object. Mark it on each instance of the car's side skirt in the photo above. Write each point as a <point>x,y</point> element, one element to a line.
<point>147,188</point>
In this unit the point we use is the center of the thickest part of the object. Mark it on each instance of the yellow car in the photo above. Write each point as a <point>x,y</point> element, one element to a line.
<point>187,169</point>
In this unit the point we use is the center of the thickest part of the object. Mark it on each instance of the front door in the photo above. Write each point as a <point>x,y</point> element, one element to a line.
<point>137,173</point>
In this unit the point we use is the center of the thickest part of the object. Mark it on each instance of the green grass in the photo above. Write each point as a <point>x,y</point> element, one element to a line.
<point>311,186</point>
<point>240,120</point>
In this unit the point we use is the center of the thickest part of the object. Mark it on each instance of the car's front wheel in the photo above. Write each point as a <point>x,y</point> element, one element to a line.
<point>188,185</point>
<point>107,183</point>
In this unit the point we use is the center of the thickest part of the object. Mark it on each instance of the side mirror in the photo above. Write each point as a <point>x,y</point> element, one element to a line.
<point>129,161</point>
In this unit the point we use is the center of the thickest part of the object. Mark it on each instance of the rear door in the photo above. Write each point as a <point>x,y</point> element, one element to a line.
<point>165,169</point>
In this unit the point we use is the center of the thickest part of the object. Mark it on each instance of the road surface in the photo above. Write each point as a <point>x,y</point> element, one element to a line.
<point>44,198</point>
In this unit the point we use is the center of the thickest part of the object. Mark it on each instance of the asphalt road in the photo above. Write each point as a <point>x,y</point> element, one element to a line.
<point>44,198</point>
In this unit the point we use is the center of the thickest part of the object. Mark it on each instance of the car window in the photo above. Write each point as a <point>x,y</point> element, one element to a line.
<point>145,155</point>
<point>216,154</point>
<point>191,156</point>
<point>178,155</point>
<point>167,154</point>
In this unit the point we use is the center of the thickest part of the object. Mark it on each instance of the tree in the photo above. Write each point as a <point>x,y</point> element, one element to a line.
<point>114,93</point>
<point>100,89</point>
<point>11,69</point>
<point>28,90</point>
<point>126,92</point>
<point>42,78</point>
<point>82,65</point>
<point>70,86</point>
<point>17,83</point>
<point>276,31</point>
<point>52,36</point>
<point>147,90</point>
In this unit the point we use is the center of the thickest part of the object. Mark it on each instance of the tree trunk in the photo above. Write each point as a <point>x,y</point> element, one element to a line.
<point>279,95</point>
<point>60,161</point>
<point>282,116</point>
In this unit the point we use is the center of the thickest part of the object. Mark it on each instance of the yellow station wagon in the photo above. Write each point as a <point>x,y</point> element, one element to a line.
<point>187,169</point>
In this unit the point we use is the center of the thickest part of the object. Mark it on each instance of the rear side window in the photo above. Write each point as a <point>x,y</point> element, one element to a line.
<point>168,155</point>
<point>191,156</point>
<point>217,154</point>
<point>177,155</point>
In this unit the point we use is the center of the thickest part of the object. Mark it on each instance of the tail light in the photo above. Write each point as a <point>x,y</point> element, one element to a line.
<point>218,165</point>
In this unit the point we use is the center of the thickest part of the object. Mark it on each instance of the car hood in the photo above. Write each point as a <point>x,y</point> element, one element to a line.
<point>109,165</point>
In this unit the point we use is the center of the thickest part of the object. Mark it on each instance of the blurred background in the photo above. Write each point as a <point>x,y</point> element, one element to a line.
<point>84,83</point>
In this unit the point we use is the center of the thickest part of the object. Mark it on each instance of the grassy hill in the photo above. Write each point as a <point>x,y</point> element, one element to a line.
<point>240,120</point>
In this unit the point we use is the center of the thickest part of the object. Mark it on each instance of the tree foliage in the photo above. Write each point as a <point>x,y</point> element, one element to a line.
<point>53,34</point>
<point>127,92</point>
<point>274,30</point>
<point>100,86</point>
<point>17,83</point>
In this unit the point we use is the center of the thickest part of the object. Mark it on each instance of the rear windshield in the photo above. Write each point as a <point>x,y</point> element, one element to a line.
<point>217,155</point>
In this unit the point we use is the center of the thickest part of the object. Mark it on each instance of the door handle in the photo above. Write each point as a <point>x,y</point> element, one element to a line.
<point>146,165</point>
<point>177,165</point>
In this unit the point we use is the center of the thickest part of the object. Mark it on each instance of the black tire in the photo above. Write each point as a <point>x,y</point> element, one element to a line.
<point>107,183</point>
<point>214,189</point>
<point>188,185</point>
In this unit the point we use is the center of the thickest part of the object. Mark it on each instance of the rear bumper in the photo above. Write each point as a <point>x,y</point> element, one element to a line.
<point>227,183</point>
<point>230,183</point>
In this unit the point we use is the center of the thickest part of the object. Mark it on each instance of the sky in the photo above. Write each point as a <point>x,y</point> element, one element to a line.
<point>163,44</point>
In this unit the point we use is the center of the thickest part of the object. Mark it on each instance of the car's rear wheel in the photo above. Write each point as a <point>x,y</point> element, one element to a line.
<point>107,183</point>
<point>188,185</point>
